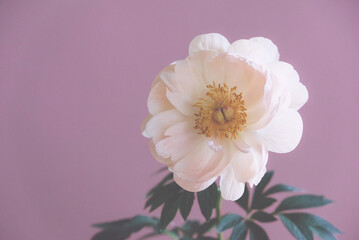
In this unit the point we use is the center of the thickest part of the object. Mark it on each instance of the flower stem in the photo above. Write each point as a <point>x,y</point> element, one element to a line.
<point>218,213</point>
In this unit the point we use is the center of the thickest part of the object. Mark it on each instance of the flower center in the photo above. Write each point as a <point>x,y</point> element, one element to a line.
<point>221,113</point>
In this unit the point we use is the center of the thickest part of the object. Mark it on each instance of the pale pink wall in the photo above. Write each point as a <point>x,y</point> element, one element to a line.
<point>74,79</point>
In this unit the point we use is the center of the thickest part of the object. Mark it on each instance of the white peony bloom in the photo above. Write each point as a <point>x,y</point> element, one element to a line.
<point>218,112</point>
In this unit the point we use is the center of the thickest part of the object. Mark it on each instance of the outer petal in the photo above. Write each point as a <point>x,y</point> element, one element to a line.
<point>181,140</point>
<point>283,133</point>
<point>231,189</point>
<point>159,123</point>
<point>299,96</point>
<point>259,50</point>
<point>210,41</point>
<point>157,101</point>
<point>286,85</point>
<point>193,186</point>
<point>143,125</point>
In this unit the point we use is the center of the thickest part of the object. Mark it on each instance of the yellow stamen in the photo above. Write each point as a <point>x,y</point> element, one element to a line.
<point>221,113</point>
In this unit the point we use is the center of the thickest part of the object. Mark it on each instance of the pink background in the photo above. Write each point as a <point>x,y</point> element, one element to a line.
<point>74,79</point>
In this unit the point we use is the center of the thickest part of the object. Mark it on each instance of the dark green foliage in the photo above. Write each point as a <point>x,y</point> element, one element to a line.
<point>207,200</point>
<point>256,232</point>
<point>243,201</point>
<point>239,232</point>
<point>281,188</point>
<point>228,221</point>
<point>173,199</point>
<point>302,201</point>
<point>263,217</point>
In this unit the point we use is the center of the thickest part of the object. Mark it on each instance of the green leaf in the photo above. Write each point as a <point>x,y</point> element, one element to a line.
<point>207,200</point>
<point>186,203</point>
<point>189,228</point>
<point>112,224</point>
<point>228,221</point>
<point>256,232</point>
<point>262,202</point>
<point>105,235</point>
<point>161,183</point>
<point>281,188</point>
<point>239,231</point>
<point>257,202</point>
<point>206,238</point>
<point>243,201</point>
<point>122,229</point>
<point>168,213</point>
<point>310,220</point>
<point>299,231</point>
<point>263,217</point>
<point>206,227</point>
<point>323,233</point>
<point>264,182</point>
<point>302,201</point>
<point>162,195</point>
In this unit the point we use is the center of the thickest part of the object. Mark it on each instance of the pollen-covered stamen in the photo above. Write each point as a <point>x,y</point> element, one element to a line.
<point>221,112</point>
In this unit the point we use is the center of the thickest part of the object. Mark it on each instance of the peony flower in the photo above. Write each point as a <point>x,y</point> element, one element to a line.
<point>218,112</point>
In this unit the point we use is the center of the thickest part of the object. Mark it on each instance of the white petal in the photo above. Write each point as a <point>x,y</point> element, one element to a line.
<point>245,165</point>
<point>202,163</point>
<point>283,133</point>
<point>180,141</point>
<point>231,189</point>
<point>143,125</point>
<point>193,186</point>
<point>299,96</point>
<point>157,100</point>
<point>211,41</point>
<point>286,85</point>
<point>259,50</point>
<point>159,123</point>
<point>166,161</point>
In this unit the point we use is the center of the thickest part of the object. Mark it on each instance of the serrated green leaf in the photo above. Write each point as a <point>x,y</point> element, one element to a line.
<point>168,213</point>
<point>207,200</point>
<point>263,202</point>
<point>281,188</point>
<point>239,232</point>
<point>186,203</point>
<point>323,233</point>
<point>243,201</point>
<point>206,227</point>
<point>263,217</point>
<point>299,231</point>
<point>228,221</point>
<point>302,201</point>
<point>256,232</point>
<point>310,220</point>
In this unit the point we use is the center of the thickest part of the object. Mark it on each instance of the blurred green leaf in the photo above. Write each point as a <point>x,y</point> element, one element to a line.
<point>281,188</point>
<point>263,202</point>
<point>243,201</point>
<point>239,232</point>
<point>189,228</point>
<point>323,233</point>
<point>263,217</point>
<point>299,231</point>
<point>256,232</point>
<point>166,179</point>
<point>228,221</point>
<point>186,203</point>
<point>207,200</point>
<point>302,201</point>
<point>206,227</point>
<point>168,212</point>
